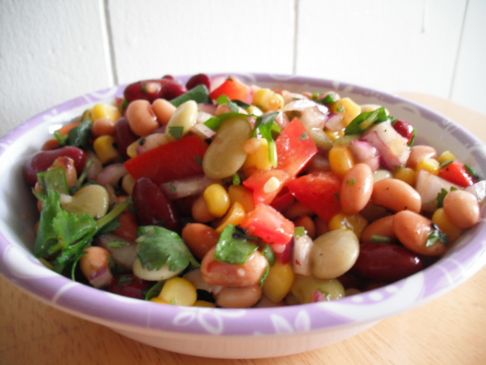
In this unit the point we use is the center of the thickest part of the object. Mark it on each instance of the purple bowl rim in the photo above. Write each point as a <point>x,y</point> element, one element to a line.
<point>249,323</point>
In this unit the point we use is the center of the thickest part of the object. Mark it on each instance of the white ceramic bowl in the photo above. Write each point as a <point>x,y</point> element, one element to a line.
<point>229,333</point>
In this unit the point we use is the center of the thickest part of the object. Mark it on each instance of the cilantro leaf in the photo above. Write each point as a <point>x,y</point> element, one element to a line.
<point>81,135</point>
<point>54,179</point>
<point>265,275</point>
<point>234,247</point>
<point>158,246</point>
<point>366,120</point>
<point>472,172</point>
<point>236,179</point>
<point>377,238</point>
<point>441,196</point>
<point>299,231</point>
<point>327,99</point>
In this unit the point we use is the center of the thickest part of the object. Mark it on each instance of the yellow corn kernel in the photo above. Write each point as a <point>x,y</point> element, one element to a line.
<point>445,157</point>
<point>105,111</point>
<point>406,174</point>
<point>279,281</point>
<point>105,149</point>
<point>258,157</point>
<point>348,108</point>
<point>128,183</point>
<point>234,216</point>
<point>429,164</point>
<point>354,222</point>
<point>178,291</point>
<point>132,149</point>
<point>217,199</point>
<point>242,195</point>
<point>440,218</point>
<point>158,300</point>
<point>268,100</point>
<point>333,135</point>
<point>203,303</point>
<point>340,159</point>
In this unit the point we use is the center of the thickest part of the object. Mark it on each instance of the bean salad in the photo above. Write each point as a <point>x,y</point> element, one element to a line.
<point>234,195</point>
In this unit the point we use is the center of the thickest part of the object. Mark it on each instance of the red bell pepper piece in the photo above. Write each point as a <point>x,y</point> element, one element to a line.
<point>263,193</point>
<point>269,225</point>
<point>171,161</point>
<point>456,173</point>
<point>295,147</point>
<point>233,89</point>
<point>319,192</point>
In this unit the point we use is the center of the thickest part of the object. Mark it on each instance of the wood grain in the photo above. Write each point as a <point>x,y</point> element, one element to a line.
<point>448,330</point>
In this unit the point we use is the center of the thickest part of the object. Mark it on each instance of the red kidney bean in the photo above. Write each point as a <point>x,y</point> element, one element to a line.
<point>41,161</point>
<point>171,89</point>
<point>145,89</point>
<point>152,206</point>
<point>384,262</point>
<point>199,79</point>
<point>168,77</point>
<point>129,286</point>
<point>405,129</point>
<point>124,136</point>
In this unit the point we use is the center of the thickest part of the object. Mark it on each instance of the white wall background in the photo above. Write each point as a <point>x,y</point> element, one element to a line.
<point>53,50</point>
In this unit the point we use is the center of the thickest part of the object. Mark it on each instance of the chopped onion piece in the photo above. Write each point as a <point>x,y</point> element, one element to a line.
<point>177,189</point>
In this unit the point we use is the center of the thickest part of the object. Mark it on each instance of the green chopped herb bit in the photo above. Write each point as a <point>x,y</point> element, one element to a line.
<point>267,127</point>
<point>176,131</point>
<point>445,163</point>
<point>300,231</point>
<point>265,275</point>
<point>215,122</point>
<point>376,238</point>
<point>351,181</point>
<point>224,100</point>
<point>236,179</point>
<point>81,135</point>
<point>234,246</point>
<point>269,254</point>
<point>118,243</point>
<point>441,196</point>
<point>366,120</point>
<point>200,94</point>
<point>436,237</point>
<point>304,136</point>
<point>329,98</point>
<point>154,290</point>
<point>199,160</point>
<point>60,138</point>
<point>471,171</point>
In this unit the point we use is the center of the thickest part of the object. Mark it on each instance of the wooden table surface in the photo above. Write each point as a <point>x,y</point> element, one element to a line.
<point>448,330</point>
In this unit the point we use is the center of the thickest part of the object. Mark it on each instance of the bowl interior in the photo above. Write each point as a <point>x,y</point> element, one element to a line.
<point>18,216</point>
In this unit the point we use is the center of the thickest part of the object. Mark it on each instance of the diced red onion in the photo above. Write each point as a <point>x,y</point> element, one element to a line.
<point>301,255</point>
<point>102,278</point>
<point>125,255</point>
<point>478,190</point>
<point>335,122</point>
<point>366,153</point>
<point>111,174</point>
<point>177,189</point>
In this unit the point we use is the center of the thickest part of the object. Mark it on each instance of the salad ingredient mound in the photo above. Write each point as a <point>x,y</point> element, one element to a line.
<point>236,195</point>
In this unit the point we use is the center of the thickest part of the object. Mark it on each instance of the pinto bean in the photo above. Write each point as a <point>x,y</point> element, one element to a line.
<point>141,117</point>
<point>163,109</point>
<point>239,297</point>
<point>200,238</point>
<point>419,153</point>
<point>356,188</point>
<point>381,227</point>
<point>413,231</point>
<point>396,195</point>
<point>95,266</point>
<point>462,208</point>
<point>221,273</point>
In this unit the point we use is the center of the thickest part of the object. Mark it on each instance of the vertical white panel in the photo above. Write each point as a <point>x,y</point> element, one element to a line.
<point>392,45</point>
<point>152,38</point>
<point>50,51</point>
<point>470,79</point>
